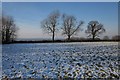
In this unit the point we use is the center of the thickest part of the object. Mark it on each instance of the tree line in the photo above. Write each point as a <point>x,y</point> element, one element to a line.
<point>69,26</point>
<point>8,29</point>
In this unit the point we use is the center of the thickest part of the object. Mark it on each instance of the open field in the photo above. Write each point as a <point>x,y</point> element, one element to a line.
<point>66,60</point>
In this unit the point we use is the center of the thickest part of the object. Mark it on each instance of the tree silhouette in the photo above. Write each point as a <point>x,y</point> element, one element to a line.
<point>94,29</point>
<point>105,38</point>
<point>116,37</point>
<point>9,29</point>
<point>70,26</point>
<point>50,23</point>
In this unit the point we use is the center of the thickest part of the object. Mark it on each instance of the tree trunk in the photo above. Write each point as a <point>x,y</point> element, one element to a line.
<point>53,36</point>
<point>93,38</point>
<point>7,36</point>
<point>68,37</point>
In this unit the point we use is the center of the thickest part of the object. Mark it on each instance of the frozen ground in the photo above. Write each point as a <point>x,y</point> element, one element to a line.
<point>53,60</point>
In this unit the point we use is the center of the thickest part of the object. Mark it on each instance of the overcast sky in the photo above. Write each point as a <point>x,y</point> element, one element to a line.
<point>28,16</point>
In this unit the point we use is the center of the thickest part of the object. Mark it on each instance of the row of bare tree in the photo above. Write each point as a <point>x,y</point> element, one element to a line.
<point>70,26</point>
<point>8,29</point>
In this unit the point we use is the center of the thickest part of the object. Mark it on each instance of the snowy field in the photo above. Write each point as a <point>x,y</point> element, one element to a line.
<point>66,60</point>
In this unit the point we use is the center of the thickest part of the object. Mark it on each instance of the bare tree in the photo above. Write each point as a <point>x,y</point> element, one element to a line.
<point>70,26</point>
<point>94,29</point>
<point>105,38</point>
<point>50,23</point>
<point>116,37</point>
<point>8,29</point>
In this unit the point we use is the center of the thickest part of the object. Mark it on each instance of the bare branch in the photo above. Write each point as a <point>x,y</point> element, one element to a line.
<point>94,29</point>
<point>9,29</point>
<point>50,23</point>
<point>70,26</point>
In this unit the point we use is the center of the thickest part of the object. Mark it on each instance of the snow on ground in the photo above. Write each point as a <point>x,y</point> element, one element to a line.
<point>53,60</point>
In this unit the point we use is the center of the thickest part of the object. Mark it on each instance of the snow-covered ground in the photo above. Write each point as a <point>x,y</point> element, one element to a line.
<point>53,60</point>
